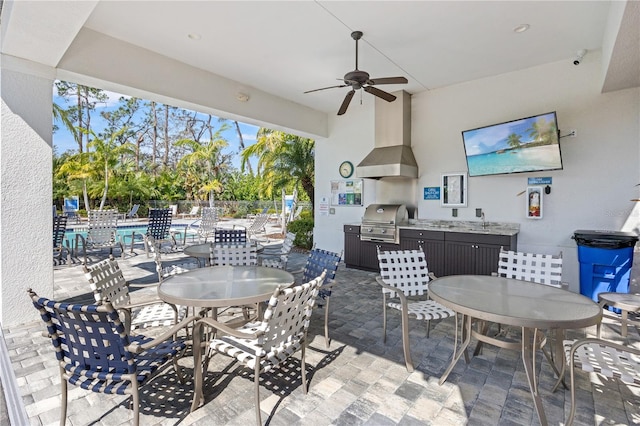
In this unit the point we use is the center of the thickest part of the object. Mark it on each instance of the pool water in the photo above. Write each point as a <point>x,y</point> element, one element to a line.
<point>122,232</point>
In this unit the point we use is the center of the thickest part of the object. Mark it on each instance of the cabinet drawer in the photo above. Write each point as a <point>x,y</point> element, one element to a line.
<point>498,240</point>
<point>351,229</point>
<point>422,234</point>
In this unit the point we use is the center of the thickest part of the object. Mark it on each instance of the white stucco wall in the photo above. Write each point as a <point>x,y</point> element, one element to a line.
<point>593,191</point>
<point>25,179</point>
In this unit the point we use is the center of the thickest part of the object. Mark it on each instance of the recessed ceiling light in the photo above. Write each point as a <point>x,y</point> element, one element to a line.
<point>194,36</point>
<point>521,28</point>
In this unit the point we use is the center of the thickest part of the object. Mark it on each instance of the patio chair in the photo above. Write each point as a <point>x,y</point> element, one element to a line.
<point>404,273</point>
<point>95,352</point>
<point>593,355</point>
<point>252,216</point>
<point>230,236</point>
<point>131,213</point>
<point>263,345</point>
<point>543,269</point>
<point>234,255</point>
<point>159,227</point>
<point>279,258</point>
<point>166,271</point>
<point>102,233</point>
<point>59,228</point>
<point>318,261</point>
<point>142,311</point>
<point>193,213</point>
<point>205,227</point>
<point>257,227</point>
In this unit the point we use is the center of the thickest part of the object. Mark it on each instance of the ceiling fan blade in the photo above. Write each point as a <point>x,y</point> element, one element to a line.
<point>345,103</point>
<point>388,80</point>
<point>324,88</point>
<point>380,93</point>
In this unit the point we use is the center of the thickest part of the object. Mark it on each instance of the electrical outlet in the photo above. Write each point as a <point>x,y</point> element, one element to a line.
<point>478,212</point>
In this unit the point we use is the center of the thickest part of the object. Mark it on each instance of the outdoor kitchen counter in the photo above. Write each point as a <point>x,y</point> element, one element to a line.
<point>471,227</point>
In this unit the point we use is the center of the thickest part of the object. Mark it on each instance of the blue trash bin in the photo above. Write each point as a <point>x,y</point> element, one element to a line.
<point>605,261</point>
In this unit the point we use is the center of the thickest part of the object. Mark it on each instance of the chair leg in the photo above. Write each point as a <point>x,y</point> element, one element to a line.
<point>303,368</point>
<point>326,323</point>
<point>405,341</point>
<point>573,393</point>
<point>63,407</point>
<point>256,373</point>
<point>384,318</point>
<point>135,394</point>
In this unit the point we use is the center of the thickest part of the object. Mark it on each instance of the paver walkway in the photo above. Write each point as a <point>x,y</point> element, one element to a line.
<point>358,380</point>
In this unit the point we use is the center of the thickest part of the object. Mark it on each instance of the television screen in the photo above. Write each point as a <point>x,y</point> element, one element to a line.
<point>526,145</point>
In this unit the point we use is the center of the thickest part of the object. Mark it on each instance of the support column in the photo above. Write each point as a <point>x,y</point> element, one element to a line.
<point>25,187</point>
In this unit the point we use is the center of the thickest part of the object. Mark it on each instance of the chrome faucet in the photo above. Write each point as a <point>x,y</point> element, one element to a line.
<point>484,224</point>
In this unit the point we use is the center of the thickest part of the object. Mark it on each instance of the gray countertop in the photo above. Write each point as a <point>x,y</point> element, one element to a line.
<point>471,227</point>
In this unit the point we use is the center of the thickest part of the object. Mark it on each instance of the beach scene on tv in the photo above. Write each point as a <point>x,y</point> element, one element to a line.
<point>526,145</point>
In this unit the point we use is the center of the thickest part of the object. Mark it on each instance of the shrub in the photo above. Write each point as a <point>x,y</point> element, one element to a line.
<point>303,228</point>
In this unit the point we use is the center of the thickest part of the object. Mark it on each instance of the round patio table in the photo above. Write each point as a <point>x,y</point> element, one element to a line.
<point>524,304</point>
<point>223,286</point>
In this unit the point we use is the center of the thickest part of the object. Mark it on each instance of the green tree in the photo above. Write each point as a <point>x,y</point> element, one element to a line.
<point>514,140</point>
<point>105,155</point>
<point>77,168</point>
<point>283,159</point>
<point>204,167</point>
<point>543,131</point>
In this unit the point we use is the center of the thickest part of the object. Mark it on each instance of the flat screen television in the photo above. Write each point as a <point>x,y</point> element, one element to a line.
<point>529,144</point>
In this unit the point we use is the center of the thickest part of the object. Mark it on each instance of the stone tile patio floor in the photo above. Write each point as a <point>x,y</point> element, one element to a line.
<point>358,380</point>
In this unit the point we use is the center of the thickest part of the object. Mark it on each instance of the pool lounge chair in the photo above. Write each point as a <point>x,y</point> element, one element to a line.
<point>102,233</point>
<point>131,213</point>
<point>192,214</point>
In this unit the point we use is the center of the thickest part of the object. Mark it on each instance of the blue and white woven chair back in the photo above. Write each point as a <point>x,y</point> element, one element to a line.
<point>320,260</point>
<point>159,223</point>
<point>231,236</point>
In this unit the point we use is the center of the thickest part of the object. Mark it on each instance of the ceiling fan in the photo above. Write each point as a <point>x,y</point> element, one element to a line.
<point>358,79</point>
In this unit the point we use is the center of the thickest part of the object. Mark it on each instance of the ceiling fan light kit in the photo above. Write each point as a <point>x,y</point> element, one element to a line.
<point>358,79</point>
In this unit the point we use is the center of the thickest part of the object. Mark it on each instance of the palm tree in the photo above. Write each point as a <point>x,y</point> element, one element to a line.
<point>514,140</point>
<point>204,167</point>
<point>105,155</point>
<point>542,131</point>
<point>78,167</point>
<point>283,159</point>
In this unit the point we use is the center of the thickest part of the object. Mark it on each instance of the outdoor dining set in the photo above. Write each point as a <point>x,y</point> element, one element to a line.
<point>232,295</point>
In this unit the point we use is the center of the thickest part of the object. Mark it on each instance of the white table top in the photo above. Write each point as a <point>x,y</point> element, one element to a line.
<point>514,302</point>
<point>222,286</point>
<point>626,301</point>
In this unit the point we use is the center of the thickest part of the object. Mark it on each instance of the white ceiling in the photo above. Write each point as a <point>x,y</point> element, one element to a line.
<point>285,48</point>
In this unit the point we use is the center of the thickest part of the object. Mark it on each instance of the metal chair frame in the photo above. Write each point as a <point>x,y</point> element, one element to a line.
<point>102,233</point>
<point>108,283</point>
<point>264,345</point>
<point>320,260</point>
<point>404,273</point>
<point>594,355</point>
<point>278,259</point>
<point>95,352</point>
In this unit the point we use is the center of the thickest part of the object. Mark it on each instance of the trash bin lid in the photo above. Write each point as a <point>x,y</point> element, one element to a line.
<point>605,239</point>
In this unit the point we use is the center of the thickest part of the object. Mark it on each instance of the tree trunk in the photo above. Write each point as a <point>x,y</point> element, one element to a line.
<point>241,143</point>
<point>165,159</point>
<point>85,195</point>
<point>79,136</point>
<point>154,134</point>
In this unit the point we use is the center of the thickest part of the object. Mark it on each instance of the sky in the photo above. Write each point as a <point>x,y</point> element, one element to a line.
<point>63,140</point>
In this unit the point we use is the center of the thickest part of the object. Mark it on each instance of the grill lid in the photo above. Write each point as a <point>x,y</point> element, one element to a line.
<point>391,214</point>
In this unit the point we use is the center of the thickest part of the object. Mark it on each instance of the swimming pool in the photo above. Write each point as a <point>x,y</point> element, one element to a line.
<point>122,232</point>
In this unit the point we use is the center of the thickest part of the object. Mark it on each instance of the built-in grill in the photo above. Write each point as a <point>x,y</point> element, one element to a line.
<point>380,222</point>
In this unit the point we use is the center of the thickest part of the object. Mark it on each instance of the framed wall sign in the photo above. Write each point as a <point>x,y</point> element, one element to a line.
<point>346,192</point>
<point>534,202</point>
<point>453,190</point>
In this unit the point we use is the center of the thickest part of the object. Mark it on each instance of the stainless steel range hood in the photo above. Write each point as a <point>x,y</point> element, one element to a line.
<point>391,155</point>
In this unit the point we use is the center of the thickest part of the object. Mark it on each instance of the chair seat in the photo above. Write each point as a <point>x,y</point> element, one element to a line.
<point>594,357</point>
<point>157,315</point>
<point>425,310</point>
<point>246,350</point>
<point>111,382</point>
